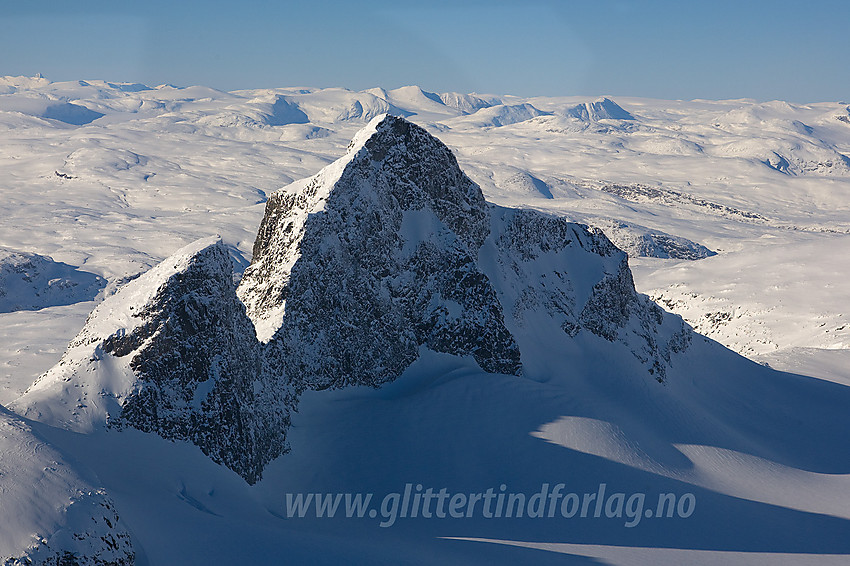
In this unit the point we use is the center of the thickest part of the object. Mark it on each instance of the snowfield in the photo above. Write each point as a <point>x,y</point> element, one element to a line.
<point>735,215</point>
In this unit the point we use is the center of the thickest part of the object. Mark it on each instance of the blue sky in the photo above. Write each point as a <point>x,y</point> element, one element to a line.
<point>795,51</point>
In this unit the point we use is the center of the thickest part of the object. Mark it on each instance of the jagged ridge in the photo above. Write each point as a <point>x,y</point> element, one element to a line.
<point>174,353</point>
<point>384,252</point>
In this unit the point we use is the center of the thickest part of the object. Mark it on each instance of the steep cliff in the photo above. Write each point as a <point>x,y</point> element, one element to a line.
<point>173,353</point>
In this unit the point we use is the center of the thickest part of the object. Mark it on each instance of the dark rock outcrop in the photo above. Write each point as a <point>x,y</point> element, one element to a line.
<point>373,258</point>
<point>173,353</point>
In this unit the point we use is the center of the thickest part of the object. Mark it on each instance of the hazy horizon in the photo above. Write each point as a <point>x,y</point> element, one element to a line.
<point>759,50</point>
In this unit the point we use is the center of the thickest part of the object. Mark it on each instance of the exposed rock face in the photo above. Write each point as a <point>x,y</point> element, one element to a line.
<point>372,258</point>
<point>551,273</point>
<point>616,312</point>
<point>174,353</point>
<point>50,514</point>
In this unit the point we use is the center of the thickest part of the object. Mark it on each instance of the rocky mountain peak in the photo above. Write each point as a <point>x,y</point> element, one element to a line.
<point>392,248</point>
<point>373,257</point>
<point>173,353</point>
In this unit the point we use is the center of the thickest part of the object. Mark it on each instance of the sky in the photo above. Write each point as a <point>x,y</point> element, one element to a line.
<point>789,50</point>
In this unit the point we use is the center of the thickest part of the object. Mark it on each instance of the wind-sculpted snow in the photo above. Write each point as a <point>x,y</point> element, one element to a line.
<point>50,515</point>
<point>173,353</point>
<point>31,281</point>
<point>49,108</point>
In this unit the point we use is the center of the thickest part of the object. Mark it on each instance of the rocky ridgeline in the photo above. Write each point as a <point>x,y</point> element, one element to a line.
<point>202,376</point>
<point>172,352</point>
<point>393,248</point>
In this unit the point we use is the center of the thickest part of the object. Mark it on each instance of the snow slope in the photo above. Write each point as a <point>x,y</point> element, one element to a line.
<point>51,515</point>
<point>762,452</point>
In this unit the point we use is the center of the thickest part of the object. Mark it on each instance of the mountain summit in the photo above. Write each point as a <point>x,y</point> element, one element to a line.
<point>602,109</point>
<point>172,353</point>
<point>375,256</point>
<point>392,248</point>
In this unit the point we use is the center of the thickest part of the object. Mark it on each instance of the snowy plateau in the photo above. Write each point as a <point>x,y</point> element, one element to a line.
<point>214,305</point>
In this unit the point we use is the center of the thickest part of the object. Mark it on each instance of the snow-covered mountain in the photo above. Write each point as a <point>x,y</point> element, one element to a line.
<point>31,282</point>
<point>389,250</point>
<point>733,214</point>
<point>602,109</point>
<point>499,115</point>
<point>357,267</point>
